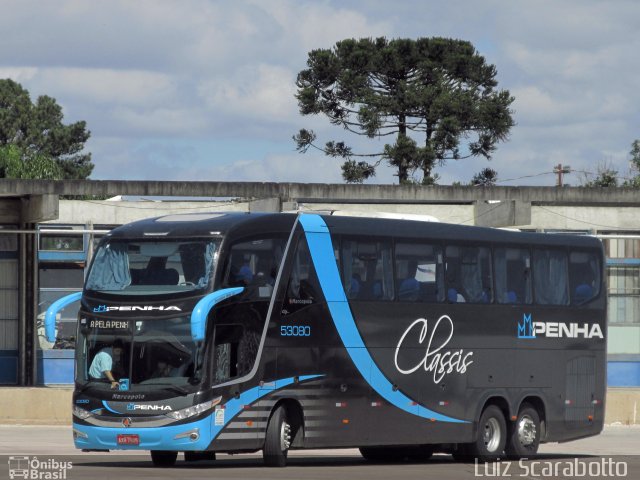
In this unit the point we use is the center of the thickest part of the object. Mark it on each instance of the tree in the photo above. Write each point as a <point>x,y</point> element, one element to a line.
<point>436,91</point>
<point>634,181</point>
<point>487,177</point>
<point>606,176</point>
<point>14,163</point>
<point>38,137</point>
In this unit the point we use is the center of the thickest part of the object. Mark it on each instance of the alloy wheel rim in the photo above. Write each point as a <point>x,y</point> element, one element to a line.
<point>285,436</point>
<point>526,431</point>
<point>492,435</point>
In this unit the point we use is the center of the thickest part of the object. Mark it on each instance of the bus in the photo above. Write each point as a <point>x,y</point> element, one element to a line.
<point>241,332</point>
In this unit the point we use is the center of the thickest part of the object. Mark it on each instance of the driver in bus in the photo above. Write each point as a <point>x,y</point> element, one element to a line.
<point>102,364</point>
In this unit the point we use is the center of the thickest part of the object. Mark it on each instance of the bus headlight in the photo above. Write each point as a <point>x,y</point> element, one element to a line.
<point>81,412</point>
<point>195,410</point>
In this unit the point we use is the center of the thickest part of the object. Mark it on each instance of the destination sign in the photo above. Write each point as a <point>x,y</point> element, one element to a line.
<point>112,324</point>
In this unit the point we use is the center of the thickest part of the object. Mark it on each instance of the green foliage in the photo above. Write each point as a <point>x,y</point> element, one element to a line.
<point>37,132</point>
<point>606,177</point>
<point>487,177</point>
<point>634,181</point>
<point>357,172</point>
<point>15,163</point>
<point>436,90</point>
<point>635,154</point>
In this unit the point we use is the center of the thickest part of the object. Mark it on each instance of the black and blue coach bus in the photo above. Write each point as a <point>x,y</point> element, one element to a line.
<point>246,332</point>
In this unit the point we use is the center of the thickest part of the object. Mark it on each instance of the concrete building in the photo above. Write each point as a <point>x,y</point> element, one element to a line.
<point>46,243</point>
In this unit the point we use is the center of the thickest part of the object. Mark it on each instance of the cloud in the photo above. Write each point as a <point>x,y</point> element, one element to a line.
<point>262,92</point>
<point>154,79</point>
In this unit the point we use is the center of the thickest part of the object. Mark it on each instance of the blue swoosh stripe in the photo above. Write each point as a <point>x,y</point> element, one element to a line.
<point>106,405</point>
<point>234,406</point>
<point>321,248</point>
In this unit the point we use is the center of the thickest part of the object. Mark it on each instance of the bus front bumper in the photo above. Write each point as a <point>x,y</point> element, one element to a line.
<point>186,436</point>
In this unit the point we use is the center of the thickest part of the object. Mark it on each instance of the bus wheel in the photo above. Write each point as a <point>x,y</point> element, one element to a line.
<point>525,434</point>
<point>278,439</point>
<point>162,458</point>
<point>492,435</point>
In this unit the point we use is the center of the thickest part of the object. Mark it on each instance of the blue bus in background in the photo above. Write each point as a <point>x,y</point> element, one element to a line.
<point>234,332</point>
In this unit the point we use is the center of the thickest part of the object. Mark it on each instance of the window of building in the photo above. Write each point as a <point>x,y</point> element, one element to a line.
<point>624,294</point>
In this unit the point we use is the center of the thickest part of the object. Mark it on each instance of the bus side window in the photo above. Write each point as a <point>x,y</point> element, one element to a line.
<point>468,273</point>
<point>551,285</point>
<point>512,267</point>
<point>303,288</point>
<point>254,265</point>
<point>584,277</point>
<point>419,272</point>
<point>367,270</point>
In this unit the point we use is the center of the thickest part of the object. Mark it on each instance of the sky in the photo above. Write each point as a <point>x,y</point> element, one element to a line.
<point>204,89</point>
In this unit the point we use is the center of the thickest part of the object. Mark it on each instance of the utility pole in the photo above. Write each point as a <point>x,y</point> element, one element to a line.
<point>560,170</point>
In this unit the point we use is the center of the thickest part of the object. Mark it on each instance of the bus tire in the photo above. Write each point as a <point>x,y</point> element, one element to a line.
<point>278,439</point>
<point>163,458</point>
<point>525,434</point>
<point>491,437</point>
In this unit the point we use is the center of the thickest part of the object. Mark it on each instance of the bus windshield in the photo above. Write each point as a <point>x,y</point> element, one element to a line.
<point>141,267</point>
<point>139,353</point>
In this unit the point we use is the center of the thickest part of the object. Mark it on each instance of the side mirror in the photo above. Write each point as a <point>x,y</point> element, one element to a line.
<point>204,306</point>
<point>52,311</point>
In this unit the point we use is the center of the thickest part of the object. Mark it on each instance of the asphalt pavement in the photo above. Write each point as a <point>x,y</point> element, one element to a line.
<point>47,452</point>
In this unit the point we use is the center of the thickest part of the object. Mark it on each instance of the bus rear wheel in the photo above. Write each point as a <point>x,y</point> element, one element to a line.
<point>278,439</point>
<point>492,435</point>
<point>162,458</point>
<point>525,434</point>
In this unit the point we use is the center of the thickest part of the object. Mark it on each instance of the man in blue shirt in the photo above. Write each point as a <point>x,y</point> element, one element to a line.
<point>102,364</point>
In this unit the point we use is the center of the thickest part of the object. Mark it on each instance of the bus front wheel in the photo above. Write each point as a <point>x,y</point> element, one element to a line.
<point>525,434</point>
<point>492,435</point>
<point>162,458</point>
<point>278,439</point>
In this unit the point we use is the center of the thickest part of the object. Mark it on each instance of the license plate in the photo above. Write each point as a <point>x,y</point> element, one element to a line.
<point>128,439</point>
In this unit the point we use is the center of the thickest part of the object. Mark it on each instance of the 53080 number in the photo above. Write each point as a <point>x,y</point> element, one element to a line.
<point>295,331</point>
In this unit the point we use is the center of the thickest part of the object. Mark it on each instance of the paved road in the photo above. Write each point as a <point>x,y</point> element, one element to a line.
<point>53,444</point>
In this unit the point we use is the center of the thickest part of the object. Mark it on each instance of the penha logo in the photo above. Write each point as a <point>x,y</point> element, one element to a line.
<point>530,329</point>
<point>152,408</point>
<point>525,329</point>
<point>136,308</point>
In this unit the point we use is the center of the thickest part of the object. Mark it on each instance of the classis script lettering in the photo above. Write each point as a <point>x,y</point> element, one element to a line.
<point>436,359</point>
